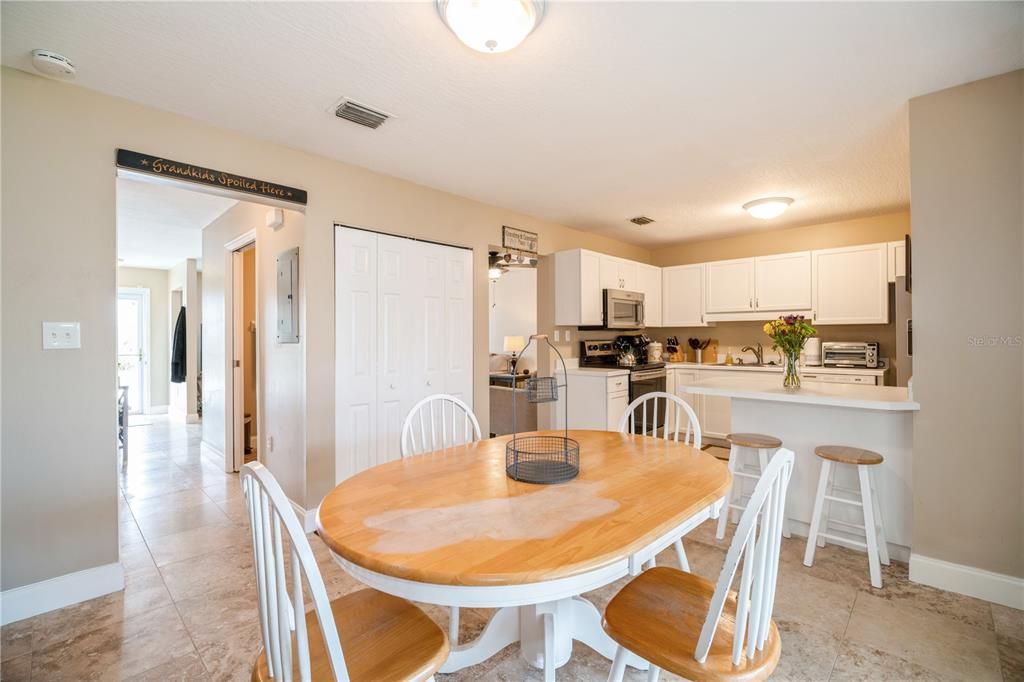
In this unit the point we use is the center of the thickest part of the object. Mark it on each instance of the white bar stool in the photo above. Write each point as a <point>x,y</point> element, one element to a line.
<point>740,443</point>
<point>874,541</point>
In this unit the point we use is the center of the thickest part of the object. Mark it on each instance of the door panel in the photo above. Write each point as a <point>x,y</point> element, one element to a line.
<point>355,350</point>
<point>683,298</point>
<point>729,286</point>
<point>783,282</point>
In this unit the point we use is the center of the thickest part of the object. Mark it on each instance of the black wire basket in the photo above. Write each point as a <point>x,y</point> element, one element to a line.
<point>548,458</point>
<point>542,459</point>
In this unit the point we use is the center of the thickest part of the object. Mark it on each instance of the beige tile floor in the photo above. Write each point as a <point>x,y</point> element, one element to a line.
<point>188,608</point>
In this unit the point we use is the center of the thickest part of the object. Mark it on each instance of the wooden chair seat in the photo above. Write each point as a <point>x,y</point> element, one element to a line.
<point>659,615</point>
<point>753,440</point>
<point>384,638</point>
<point>848,455</point>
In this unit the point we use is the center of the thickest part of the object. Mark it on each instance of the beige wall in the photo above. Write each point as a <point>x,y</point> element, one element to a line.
<point>159,329</point>
<point>967,154</point>
<point>59,503</point>
<point>887,227</point>
<point>184,279</point>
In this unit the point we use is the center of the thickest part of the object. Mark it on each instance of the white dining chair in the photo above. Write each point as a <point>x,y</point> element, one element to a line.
<point>675,408</point>
<point>381,636</point>
<point>654,616</point>
<point>438,421</point>
<point>434,423</point>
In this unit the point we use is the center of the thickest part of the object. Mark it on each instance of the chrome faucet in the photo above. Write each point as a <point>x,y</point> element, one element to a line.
<point>758,352</point>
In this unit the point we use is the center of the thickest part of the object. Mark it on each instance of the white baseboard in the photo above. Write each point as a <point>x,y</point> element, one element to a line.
<point>307,517</point>
<point>48,595</point>
<point>159,409</point>
<point>214,454</point>
<point>974,582</point>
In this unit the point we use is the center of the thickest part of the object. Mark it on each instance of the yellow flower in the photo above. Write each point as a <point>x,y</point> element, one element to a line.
<point>767,328</point>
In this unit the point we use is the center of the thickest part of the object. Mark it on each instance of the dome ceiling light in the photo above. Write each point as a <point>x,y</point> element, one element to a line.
<point>491,25</point>
<point>768,208</point>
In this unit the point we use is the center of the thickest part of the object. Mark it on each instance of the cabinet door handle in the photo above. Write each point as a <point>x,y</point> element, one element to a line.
<point>428,382</point>
<point>750,303</point>
<point>757,303</point>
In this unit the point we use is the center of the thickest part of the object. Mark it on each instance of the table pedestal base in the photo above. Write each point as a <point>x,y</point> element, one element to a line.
<point>545,633</point>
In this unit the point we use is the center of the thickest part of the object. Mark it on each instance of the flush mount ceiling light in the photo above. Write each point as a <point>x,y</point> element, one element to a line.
<point>491,25</point>
<point>766,209</point>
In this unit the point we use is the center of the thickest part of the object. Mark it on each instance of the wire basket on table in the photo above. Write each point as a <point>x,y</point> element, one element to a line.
<point>542,459</point>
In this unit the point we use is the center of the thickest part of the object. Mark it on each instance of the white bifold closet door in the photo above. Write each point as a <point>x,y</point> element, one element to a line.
<point>403,330</point>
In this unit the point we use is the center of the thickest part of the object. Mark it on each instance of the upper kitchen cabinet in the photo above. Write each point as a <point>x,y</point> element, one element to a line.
<point>618,273</point>
<point>850,285</point>
<point>683,296</point>
<point>578,288</point>
<point>729,286</point>
<point>648,279</point>
<point>783,282</point>
<point>897,260</point>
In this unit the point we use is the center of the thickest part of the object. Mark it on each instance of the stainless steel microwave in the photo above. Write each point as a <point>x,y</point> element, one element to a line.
<point>849,354</point>
<point>623,309</point>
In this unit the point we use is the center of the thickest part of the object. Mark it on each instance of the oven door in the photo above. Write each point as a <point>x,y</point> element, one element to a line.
<point>623,309</point>
<point>641,383</point>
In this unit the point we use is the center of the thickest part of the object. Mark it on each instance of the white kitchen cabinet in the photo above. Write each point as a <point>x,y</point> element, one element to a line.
<point>578,301</point>
<point>678,380</point>
<point>618,273</point>
<point>648,279</point>
<point>782,282</point>
<point>682,301</point>
<point>596,400</point>
<point>897,260</point>
<point>849,285</point>
<point>729,286</point>
<point>716,413</point>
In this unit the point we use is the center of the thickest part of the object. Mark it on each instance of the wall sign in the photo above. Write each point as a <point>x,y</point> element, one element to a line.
<point>157,165</point>
<point>519,240</point>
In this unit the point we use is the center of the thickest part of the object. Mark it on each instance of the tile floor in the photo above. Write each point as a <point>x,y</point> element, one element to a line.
<point>188,608</point>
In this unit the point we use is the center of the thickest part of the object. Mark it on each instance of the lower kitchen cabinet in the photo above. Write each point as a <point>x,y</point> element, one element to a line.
<point>596,400</point>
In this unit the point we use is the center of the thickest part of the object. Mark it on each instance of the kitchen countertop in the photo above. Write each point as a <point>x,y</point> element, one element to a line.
<point>890,398</point>
<point>606,371</point>
<point>880,371</point>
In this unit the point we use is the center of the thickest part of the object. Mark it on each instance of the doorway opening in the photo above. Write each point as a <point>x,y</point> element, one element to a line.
<point>245,408</point>
<point>512,318</point>
<point>133,349</point>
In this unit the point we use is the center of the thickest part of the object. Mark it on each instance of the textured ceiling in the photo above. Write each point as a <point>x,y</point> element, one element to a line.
<point>682,112</point>
<point>159,225</point>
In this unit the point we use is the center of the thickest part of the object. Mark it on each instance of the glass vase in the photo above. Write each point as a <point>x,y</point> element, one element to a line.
<point>791,375</point>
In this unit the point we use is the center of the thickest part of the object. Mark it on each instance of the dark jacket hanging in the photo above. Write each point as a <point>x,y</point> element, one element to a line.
<point>178,350</point>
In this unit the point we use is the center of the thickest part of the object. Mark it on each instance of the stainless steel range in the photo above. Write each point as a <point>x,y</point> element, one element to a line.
<point>630,352</point>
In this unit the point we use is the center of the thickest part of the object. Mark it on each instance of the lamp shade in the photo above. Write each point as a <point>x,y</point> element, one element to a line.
<point>514,344</point>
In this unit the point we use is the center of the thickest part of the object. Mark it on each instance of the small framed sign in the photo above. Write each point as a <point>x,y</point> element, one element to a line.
<point>514,239</point>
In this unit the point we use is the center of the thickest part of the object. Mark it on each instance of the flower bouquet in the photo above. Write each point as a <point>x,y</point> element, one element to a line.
<point>789,334</point>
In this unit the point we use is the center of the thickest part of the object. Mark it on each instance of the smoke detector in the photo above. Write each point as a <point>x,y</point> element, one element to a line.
<point>641,220</point>
<point>53,64</point>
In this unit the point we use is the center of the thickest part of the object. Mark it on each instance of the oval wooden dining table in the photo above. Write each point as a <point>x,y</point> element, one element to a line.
<point>450,528</point>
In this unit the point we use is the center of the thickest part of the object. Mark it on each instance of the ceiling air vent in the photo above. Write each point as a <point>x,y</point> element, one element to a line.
<point>641,220</point>
<point>357,113</point>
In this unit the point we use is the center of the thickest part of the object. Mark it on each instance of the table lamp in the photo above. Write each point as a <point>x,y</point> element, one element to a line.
<point>514,345</point>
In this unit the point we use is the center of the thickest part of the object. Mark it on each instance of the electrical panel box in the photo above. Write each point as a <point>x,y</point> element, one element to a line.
<point>288,296</point>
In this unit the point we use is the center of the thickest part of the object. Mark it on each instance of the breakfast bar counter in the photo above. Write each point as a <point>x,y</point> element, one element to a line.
<point>878,418</point>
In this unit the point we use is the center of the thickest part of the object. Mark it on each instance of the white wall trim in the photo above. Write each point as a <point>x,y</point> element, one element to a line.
<point>974,582</point>
<point>215,454</point>
<point>23,602</point>
<point>307,517</point>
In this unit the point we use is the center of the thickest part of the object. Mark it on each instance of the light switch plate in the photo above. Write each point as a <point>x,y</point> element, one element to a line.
<point>61,335</point>
<point>568,337</point>
<point>556,336</point>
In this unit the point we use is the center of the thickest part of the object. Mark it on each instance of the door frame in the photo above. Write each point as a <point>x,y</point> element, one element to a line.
<point>144,323</point>
<point>234,384</point>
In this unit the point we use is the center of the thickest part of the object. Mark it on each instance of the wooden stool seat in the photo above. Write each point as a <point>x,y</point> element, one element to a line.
<point>658,616</point>
<point>847,455</point>
<point>383,638</point>
<point>753,440</point>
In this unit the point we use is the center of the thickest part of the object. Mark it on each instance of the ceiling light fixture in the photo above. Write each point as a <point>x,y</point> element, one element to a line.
<point>766,209</point>
<point>491,25</point>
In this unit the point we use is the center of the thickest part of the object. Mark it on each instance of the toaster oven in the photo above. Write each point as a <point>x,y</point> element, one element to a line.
<point>849,354</point>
